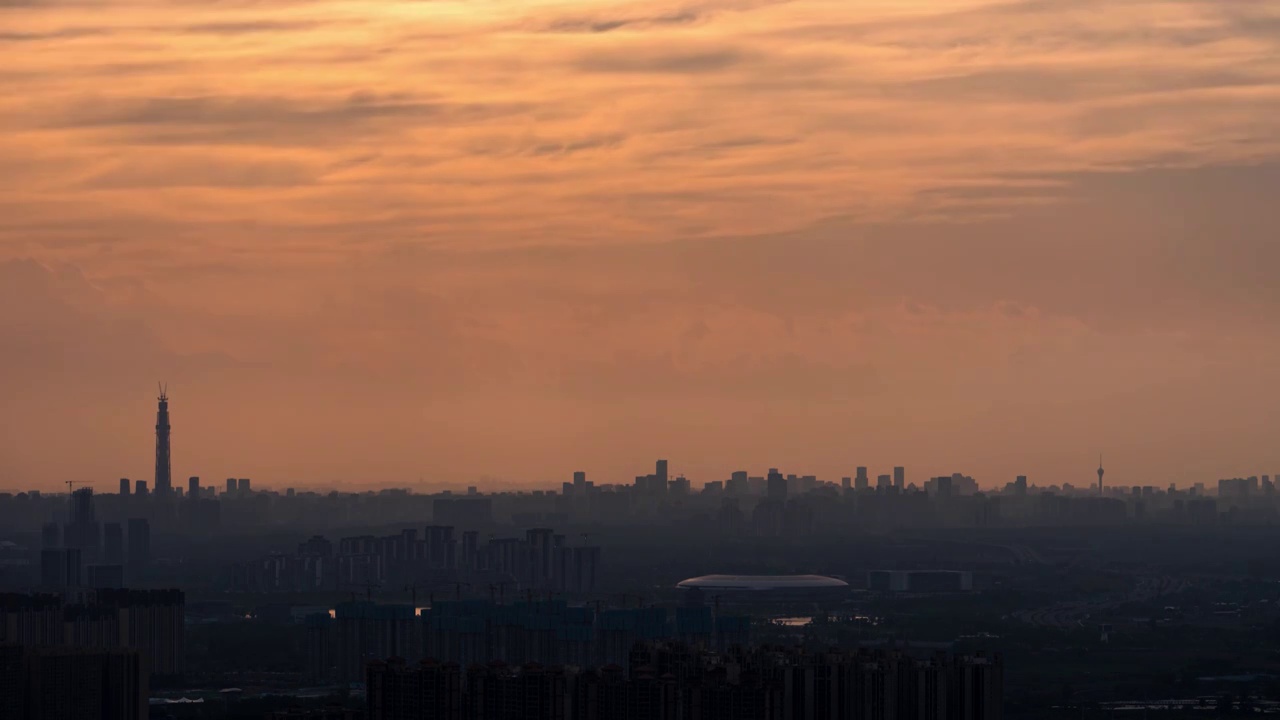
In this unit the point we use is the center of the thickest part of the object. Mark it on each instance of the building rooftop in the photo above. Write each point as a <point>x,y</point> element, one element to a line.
<point>762,582</point>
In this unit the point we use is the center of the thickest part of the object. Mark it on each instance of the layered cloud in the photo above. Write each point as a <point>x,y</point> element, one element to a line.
<point>741,230</point>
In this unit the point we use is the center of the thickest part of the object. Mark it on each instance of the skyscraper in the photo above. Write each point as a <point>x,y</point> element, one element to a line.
<point>1100,471</point>
<point>164,471</point>
<point>900,477</point>
<point>60,568</point>
<point>776,490</point>
<point>82,530</point>
<point>139,553</point>
<point>193,488</point>
<point>113,543</point>
<point>124,486</point>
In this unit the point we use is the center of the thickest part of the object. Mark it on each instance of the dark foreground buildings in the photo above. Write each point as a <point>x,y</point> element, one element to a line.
<point>669,681</point>
<point>543,632</point>
<point>53,683</point>
<point>149,622</point>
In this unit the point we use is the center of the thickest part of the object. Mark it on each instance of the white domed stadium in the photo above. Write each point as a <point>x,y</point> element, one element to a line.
<point>768,589</point>
<point>762,583</point>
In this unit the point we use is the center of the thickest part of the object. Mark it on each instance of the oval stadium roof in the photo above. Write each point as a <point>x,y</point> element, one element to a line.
<point>762,582</point>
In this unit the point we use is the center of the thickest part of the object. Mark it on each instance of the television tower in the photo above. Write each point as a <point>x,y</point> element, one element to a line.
<point>1100,471</point>
<point>164,472</point>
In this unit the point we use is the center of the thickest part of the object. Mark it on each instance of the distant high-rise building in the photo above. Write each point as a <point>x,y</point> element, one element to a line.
<point>50,535</point>
<point>164,470</point>
<point>60,568</point>
<point>82,529</point>
<point>884,482</point>
<point>140,487</point>
<point>1020,485</point>
<point>861,481</point>
<point>106,576</point>
<point>113,543</point>
<point>777,486</point>
<point>942,486</point>
<point>124,486</point>
<point>231,486</point>
<point>243,486</point>
<point>139,547</point>
<point>900,477</point>
<point>1100,471</point>
<point>579,479</point>
<point>661,473</point>
<point>440,547</point>
<point>541,548</point>
<point>193,487</point>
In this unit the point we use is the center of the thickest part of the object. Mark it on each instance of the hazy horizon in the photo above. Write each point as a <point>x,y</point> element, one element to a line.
<point>367,243</point>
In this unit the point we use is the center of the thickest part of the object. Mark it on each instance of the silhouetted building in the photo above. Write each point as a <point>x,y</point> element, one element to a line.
<point>50,535</point>
<point>675,681</point>
<point>57,683</point>
<point>113,543</point>
<point>60,568</point>
<point>106,576</point>
<point>776,490</point>
<point>164,470</point>
<point>900,478</point>
<point>124,487</point>
<point>139,547</point>
<point>82,530</point>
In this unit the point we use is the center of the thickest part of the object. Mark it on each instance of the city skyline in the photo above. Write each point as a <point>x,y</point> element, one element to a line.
<point>161,479</point>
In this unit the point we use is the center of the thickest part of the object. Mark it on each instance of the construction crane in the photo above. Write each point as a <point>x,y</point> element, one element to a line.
<point>72,483</point>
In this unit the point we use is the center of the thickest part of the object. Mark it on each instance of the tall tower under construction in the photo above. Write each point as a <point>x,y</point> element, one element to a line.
<point>164,471</point>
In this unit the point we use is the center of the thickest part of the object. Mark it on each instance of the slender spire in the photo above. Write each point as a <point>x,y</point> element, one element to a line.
<point>164,472</point>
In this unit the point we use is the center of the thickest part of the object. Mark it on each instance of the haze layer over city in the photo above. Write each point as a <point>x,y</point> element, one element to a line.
<point>399,242</point>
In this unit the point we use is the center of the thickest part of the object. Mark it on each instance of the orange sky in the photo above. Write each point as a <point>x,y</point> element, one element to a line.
<point>372,242</point>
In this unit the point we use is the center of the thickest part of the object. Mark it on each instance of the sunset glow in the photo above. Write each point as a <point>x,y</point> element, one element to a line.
<point>454,239</point>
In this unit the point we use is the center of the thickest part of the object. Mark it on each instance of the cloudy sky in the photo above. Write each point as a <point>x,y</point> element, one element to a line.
<point>501,240</point>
